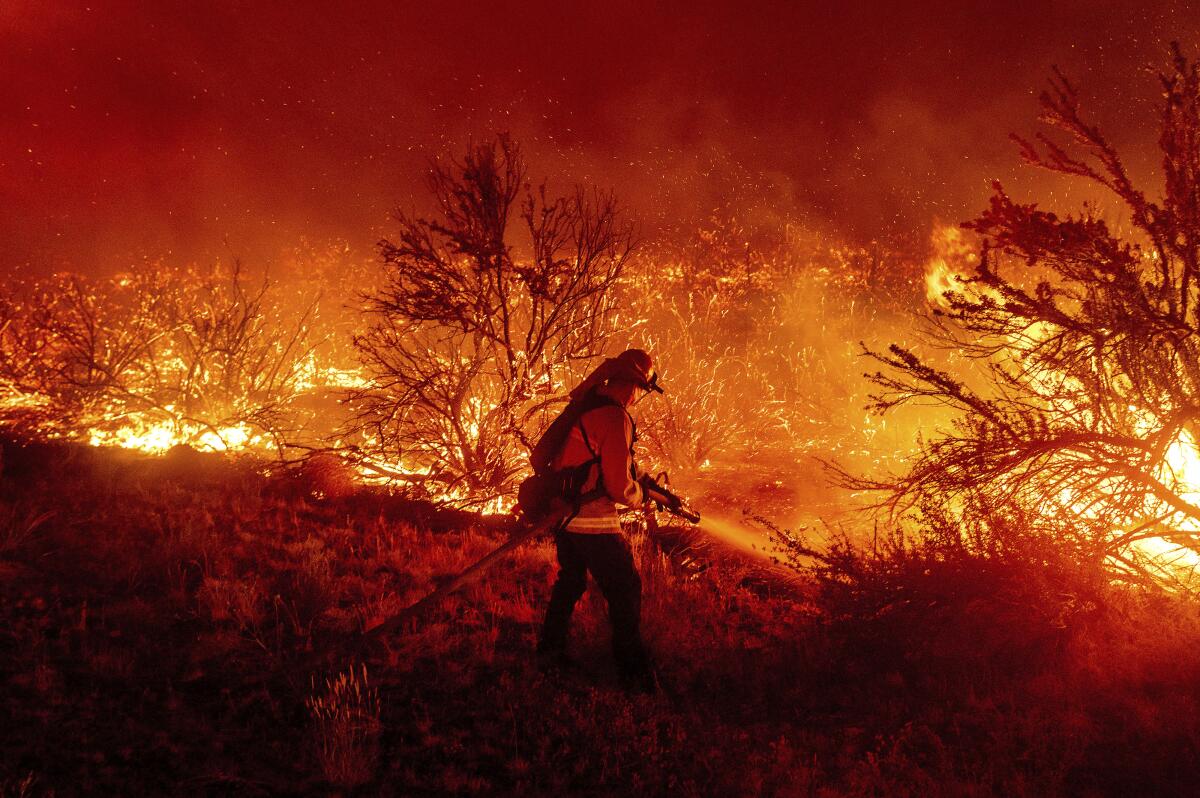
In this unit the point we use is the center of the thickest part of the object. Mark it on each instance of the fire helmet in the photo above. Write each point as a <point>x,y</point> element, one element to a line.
<point>635,365</point>
<point>632,365</point>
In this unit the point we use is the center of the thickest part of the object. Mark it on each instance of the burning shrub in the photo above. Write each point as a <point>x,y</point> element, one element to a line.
<point>476,332</point>
<point>1083,410</point>
<point>346,716</point>
<point>151,359</point>
<point>753,328</point>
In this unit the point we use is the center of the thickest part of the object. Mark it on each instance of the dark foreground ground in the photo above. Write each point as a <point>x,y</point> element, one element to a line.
<point>187,626</point>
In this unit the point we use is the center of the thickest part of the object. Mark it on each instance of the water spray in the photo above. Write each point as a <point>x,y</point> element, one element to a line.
<point>738,537</point>
<point>731,533</point>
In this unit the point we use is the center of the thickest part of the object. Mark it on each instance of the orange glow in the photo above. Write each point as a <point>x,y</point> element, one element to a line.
<point>953,259</point>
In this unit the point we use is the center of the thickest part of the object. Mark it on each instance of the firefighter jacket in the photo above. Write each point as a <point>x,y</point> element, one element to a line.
<point>606,433</point>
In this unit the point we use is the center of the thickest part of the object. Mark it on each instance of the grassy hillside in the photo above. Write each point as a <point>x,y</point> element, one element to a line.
<point>188,625</point>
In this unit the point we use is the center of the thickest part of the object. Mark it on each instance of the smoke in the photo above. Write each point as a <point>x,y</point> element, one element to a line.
<point>148,131</point>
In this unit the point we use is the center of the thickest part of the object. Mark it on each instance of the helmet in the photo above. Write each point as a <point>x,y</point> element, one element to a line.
<point>632,365</point>
<point>635,365</point>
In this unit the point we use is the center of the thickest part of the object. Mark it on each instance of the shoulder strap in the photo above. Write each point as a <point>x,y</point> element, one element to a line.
<point>587,441</point>
<point>597,400</point>
<point>594,401</point>
<point>550,444</point>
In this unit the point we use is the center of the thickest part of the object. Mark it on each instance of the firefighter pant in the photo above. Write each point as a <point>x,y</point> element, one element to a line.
<point>608,558</point>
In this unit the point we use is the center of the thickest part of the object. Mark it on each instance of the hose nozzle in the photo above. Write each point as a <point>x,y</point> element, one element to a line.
<point>666,500</point>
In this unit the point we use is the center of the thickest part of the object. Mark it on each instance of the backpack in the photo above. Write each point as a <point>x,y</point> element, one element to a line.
<point>536,495</point>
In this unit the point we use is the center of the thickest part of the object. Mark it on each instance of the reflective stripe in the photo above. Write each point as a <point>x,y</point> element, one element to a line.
<point>596,520</point>
<point>594,523</point>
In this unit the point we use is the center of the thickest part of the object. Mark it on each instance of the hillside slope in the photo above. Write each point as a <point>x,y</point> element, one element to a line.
<point>187,625</point>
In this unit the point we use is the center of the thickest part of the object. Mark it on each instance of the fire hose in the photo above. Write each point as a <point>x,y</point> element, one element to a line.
<point>662,497</point>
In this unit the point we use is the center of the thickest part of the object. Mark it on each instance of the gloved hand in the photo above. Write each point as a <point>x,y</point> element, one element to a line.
<point>658,494</point>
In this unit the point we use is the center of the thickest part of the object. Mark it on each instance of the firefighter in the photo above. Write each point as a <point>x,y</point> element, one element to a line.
<point>592,541</point>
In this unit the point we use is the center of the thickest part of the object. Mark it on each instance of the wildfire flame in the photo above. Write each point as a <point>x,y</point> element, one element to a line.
<point>158,437</point>
<point>953,260</point>
<point>1181,465</point>
<point>946,271</point>
<point>157,429</point>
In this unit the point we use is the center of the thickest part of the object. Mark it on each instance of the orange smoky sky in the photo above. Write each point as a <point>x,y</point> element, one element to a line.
<point>190,131</point>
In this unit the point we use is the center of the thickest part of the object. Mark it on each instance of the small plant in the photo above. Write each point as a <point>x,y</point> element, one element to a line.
<point>346,717</point>
<point>17,529</point>
<point>377,608</point>
<point>309,590</point>
<point>235,601</point>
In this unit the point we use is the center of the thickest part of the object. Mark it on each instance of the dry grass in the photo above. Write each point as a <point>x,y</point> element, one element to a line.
<point>19,527</point>
<point>159,637</point>
<point>346,716</point>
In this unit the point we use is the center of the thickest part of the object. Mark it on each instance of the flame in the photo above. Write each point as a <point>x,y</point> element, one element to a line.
<point>311,375</point>
<point>157,437</point>
<point>953,260</point>
<point>1181,466</point>
<point>157,430</point>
